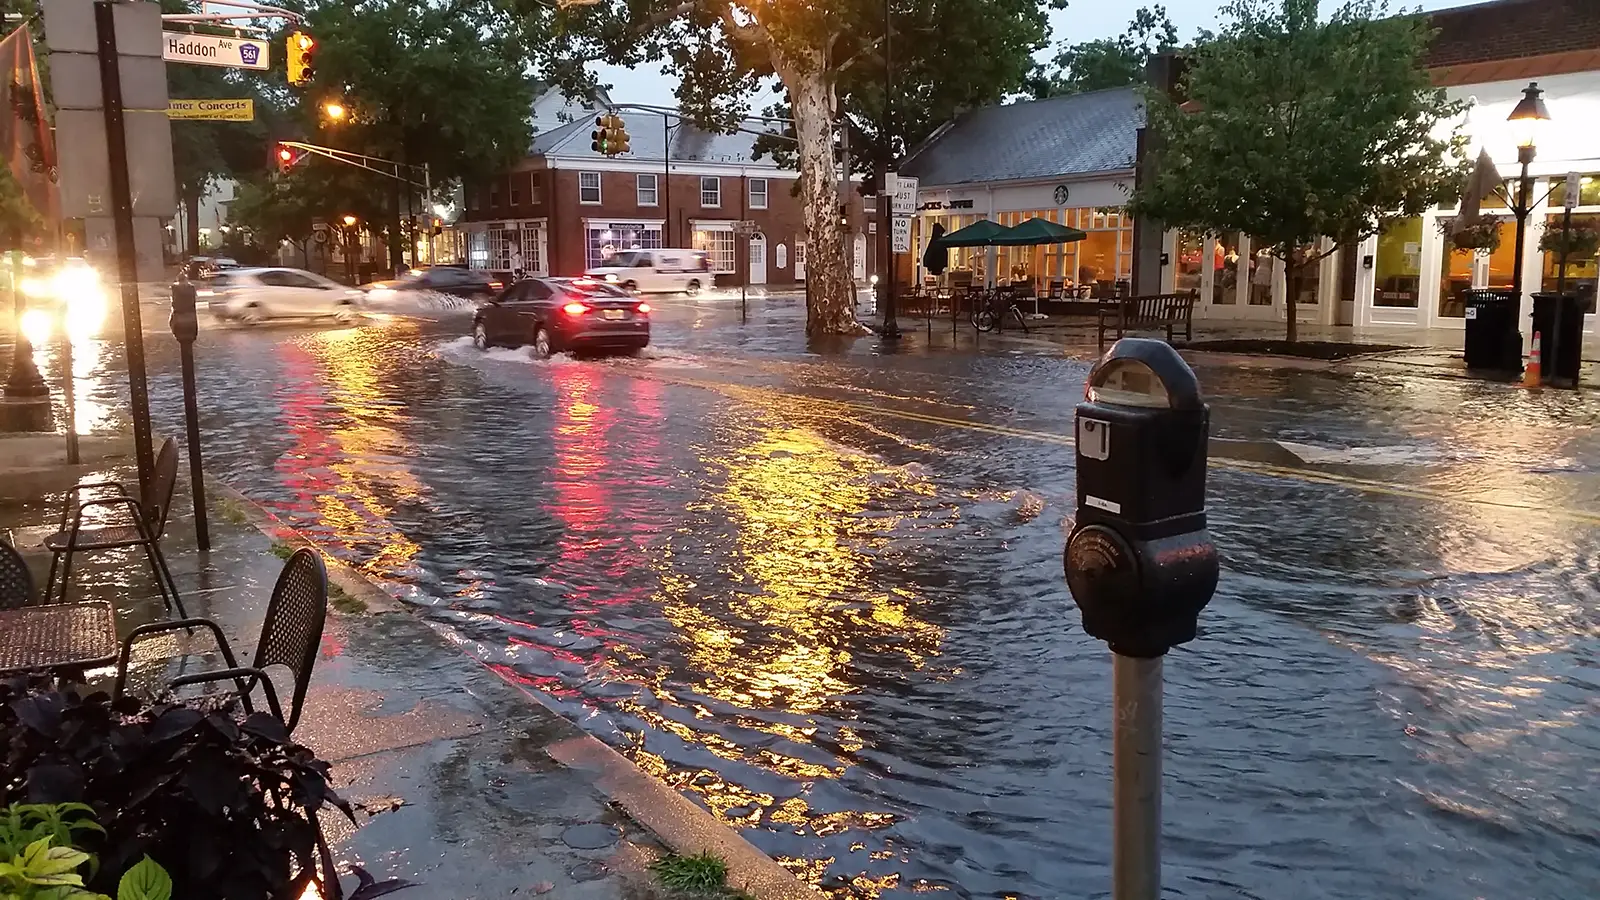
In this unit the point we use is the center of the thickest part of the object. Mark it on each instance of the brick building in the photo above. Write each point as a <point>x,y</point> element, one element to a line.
<point>566,206</point>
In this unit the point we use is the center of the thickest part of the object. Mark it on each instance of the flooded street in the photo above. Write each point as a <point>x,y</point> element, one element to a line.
<point>820,590</point>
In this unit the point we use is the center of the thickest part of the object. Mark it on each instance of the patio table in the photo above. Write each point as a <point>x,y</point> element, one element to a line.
<point>59,638</point>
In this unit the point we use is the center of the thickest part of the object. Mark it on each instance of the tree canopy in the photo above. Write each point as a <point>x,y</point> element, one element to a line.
<point>1107,62</point>
<point>446,86</point>
<point>828,59</point>
<point>1294,129</point>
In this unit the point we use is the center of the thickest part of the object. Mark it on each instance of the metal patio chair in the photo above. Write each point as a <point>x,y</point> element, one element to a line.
<point>290,635</point>
<point>143,527</point>
<point>16,582</point>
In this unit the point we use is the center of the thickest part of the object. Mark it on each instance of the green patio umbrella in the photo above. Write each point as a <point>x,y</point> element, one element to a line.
<point>982,233</point>
<point>1037,231</point>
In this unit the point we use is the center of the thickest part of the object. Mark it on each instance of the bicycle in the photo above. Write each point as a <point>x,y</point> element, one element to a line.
<point>987,317</point>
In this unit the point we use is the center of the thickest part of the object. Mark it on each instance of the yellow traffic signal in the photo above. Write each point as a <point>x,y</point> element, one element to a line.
<point>297,52</point>
<point>610,135</point>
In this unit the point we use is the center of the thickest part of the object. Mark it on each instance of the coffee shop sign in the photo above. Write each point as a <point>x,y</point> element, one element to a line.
<point>946,204</point>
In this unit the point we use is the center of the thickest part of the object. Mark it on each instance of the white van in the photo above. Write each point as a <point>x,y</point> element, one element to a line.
<point>656,271</point>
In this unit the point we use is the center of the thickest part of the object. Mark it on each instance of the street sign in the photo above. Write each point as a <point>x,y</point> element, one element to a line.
<point>745,226</point>
<point>212,110</point>
<point>212,50</point>
<point>1574,189</point>
<point>903,190</point>
<point>900,235</point>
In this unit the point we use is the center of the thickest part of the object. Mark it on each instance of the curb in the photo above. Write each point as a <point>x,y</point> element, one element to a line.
<point>673,818</point>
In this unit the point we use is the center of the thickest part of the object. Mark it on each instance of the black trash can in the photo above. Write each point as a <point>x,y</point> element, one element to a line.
<point>1493,343</point>
<point>1558,320</point>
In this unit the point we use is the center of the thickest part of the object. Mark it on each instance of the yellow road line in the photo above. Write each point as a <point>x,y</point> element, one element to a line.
<point>757,395</point>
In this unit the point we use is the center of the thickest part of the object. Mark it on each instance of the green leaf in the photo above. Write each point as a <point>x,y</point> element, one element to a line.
<point>43,863</point>
<point>145,881</point>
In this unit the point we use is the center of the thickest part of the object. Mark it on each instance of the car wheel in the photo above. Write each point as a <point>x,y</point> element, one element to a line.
<point>541,343</point>
<point>480,336</point>
<point>252,314</point>
<point>693,287</point>
<point>631,287</point>
<point>346,313</point>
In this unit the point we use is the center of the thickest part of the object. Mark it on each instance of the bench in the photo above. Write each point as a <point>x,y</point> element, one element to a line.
<point>1151,311</point>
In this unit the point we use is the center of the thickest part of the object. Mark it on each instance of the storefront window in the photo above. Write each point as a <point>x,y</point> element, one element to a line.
<point>1503,261</point>
<point>1588,192</point>
<point>1191,260</point>
<point>1263,266</point>
<point>1308,276</point>
<point>604,239</point>
<point>1455,276</point>
<point>1398,268</point>
<point>1225,266</point>
<point>1581,270</point>
<point>719,243</point>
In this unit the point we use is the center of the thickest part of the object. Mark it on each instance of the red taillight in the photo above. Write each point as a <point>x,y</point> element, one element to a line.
<point>644,307</point>
<point>495,286</point>
<point>575,308</point>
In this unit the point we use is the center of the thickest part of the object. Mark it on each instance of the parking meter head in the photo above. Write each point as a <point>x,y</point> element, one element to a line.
<point>185,320</point>
<point>1139,561</point>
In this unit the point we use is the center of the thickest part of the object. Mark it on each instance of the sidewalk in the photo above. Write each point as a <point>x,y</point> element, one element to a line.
<point>461,784</point>
<point>1435,353</point>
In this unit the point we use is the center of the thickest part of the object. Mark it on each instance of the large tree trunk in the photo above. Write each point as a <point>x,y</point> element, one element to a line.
<point>830,304</point>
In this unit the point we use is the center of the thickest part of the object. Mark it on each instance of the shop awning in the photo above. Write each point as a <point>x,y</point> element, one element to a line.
<point>982,233</point>
<point>1037,231</point>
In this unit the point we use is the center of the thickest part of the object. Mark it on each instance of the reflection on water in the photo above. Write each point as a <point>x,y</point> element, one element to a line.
<point>848,636</point>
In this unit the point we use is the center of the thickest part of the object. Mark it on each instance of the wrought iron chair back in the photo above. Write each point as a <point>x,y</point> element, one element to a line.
<point>159,503</point>
<point>292,631</point>
<point>16,582</point>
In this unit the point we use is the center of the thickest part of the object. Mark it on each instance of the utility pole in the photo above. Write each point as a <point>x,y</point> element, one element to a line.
<point>891,327</point>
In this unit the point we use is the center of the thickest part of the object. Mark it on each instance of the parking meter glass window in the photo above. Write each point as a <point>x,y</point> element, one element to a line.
<point>1128,382</point>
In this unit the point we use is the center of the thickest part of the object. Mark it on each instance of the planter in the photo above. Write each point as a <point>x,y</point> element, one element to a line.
<point>1483,237</point>
<point>1581,242</point>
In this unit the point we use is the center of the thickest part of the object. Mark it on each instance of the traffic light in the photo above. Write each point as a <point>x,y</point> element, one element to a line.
<point>610,135</point>
<point>285,157</point>
<point>297,52</point>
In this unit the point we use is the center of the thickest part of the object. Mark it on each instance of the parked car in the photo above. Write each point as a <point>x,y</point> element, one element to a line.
<point>458,281</point>
<point>254,295</point>
<point>656,271</point>
<point>554,315</point>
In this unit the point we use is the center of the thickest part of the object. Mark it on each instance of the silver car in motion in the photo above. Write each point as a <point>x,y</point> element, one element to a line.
<point>251,296</point>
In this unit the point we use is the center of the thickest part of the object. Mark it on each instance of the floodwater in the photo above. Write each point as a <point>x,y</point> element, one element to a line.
<point>821,592</point>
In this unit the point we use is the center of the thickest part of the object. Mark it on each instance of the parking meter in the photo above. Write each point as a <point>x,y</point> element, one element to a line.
<point>1139,561</point>
<point>185,321</point>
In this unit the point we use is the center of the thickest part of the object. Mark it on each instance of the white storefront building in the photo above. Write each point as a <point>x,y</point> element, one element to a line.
<point>1408,277</point>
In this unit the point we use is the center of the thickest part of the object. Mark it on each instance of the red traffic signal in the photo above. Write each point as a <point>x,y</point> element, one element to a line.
<point>285,157</point>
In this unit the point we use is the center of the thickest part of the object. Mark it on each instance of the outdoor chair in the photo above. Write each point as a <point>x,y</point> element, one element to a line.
<point>145,524</point>
<point>1056,287</point>
<point>16,582</point>
<point>290,636</point>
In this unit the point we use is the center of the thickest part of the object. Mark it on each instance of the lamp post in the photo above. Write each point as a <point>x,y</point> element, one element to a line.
<point>26,405</point>
<point>1528,116</point>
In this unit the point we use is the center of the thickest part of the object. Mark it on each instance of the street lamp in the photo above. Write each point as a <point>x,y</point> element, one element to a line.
<point>350,221</point>
<point>334,110</point>
<point>1526,119</point>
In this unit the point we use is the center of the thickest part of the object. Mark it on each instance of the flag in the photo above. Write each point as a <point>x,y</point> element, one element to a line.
<point>25,134</point>
<point>1484,179</point>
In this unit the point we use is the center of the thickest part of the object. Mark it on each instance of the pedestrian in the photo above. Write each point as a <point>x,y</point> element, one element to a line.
<point>516,264</point>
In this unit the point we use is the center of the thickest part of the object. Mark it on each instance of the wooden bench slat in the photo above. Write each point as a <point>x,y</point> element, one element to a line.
<point>1149,311</point>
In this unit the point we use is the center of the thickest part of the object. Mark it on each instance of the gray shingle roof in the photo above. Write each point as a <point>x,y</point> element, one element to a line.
<point>1081,134</point>
<point>645,142</point>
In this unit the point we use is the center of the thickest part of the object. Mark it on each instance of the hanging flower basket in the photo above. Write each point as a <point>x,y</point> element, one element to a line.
<point>1483,237</point>
<point>1581,242</point>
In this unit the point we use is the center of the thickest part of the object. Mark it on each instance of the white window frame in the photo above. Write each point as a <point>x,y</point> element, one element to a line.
<point>723,251</point>
<point>596,187</point>
<point>716,192</point>
<point>639,189</point>
<point>766,188</point>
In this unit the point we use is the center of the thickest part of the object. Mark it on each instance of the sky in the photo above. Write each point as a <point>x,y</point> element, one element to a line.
<point>1082,20</point>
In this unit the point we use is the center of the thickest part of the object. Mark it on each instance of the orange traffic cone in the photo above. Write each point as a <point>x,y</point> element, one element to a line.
<point>1531,376</point>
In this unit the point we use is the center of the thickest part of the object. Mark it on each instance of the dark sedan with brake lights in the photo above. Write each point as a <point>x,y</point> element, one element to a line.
<point>556,315</point>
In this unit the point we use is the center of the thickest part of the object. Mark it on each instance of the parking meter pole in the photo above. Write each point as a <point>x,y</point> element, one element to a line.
<point>185,323</point>
<point>1141,566</point>
<point>69,390</point>
<point>1136,778</point>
